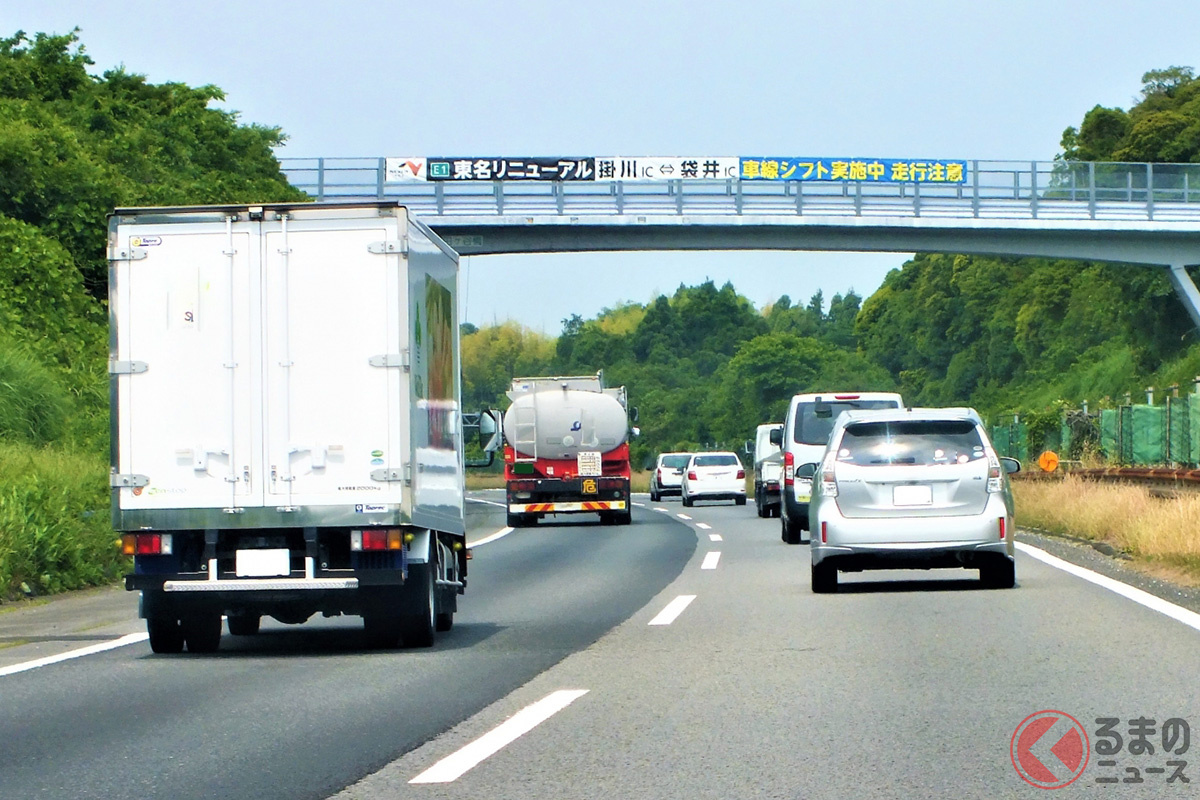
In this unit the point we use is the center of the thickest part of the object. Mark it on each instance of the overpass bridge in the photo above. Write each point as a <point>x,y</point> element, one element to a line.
<point>1135,214</point>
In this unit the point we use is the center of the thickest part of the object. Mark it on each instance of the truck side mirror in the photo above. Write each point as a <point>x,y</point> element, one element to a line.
<point>489,430</point>
<point>748,448</point>
<point>633,414</point>
<point>635,432</point>
<point>776,437</point>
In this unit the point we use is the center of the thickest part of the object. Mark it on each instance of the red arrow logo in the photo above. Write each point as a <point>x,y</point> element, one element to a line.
<point>1070,749</point>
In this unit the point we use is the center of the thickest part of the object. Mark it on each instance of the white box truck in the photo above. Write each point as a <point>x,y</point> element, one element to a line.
<point>286,429</point>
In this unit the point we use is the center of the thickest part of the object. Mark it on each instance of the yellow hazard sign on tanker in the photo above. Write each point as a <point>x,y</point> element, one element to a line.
<point>589,486</point>
<point>1048,461</point>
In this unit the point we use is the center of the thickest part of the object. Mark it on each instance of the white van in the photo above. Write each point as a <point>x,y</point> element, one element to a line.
<point>805,433</point>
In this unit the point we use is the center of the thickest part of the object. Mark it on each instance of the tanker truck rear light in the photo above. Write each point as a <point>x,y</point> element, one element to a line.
<point>146,544</point>
<point>789,468</point>
<point>612,483</point>
<point>522,486</point>
<point>377,539</point>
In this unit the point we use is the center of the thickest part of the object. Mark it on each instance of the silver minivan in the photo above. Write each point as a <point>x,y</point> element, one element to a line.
<point>805,432</point>
<point>914,488</point>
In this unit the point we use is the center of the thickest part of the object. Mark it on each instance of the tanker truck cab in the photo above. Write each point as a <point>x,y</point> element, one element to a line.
<point>566,449</point>
<point>802,439</point>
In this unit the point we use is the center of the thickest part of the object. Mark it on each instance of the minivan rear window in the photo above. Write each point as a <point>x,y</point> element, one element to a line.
<point>675,462</point>
<point>814,421</point>
<point>918,442</point>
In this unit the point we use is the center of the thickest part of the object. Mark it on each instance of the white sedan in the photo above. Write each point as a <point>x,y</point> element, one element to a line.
<point>714,476</point>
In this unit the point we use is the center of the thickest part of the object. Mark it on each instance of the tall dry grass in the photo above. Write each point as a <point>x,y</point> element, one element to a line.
<point>1166,530</point>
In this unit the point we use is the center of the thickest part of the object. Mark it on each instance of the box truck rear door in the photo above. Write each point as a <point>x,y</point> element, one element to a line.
<point>333,375</point>
<point>184,368</point>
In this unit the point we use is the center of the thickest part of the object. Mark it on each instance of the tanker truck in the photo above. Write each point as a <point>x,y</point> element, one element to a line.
<point>566,449</point>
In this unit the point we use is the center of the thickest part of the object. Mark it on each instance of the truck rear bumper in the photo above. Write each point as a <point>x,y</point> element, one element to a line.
<point>568,507</point>
<point>257,585</point>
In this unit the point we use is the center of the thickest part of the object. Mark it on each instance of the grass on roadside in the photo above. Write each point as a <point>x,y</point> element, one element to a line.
<point>55,528</point>
<point>1162,534</point>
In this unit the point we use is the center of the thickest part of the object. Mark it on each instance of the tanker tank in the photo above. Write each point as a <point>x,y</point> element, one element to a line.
<point>558,423</point>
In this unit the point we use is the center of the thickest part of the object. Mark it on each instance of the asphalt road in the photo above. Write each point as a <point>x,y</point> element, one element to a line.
<point>302,711</point>
<point>902,685</point>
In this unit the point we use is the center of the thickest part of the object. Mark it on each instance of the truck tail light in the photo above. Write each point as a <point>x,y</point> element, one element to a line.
<point>612,483</point>
<point>789,468</point>
<point>376,539</point>
<point>741,474</point>
<point>522,486</point>
<point>146,544</point>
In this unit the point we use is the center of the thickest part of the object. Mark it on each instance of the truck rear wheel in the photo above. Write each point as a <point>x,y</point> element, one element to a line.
<point>166,636</point>
<point>383,630</point>
<point>244,624</point>
<point>202,632</point>
<point>421,622</point>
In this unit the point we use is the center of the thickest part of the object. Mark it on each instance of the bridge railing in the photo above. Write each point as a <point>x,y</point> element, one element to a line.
<point>992,190</point>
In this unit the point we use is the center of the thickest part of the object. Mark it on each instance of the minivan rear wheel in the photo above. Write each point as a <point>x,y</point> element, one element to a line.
<point>824,578</point>
<point>1000,574</point>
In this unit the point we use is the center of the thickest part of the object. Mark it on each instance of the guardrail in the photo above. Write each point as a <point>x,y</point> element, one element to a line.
<point>1050,190</point>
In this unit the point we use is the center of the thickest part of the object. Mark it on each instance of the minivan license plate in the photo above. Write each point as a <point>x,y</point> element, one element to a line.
<point>912,496</point>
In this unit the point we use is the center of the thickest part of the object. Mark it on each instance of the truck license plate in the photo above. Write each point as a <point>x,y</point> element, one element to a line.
<point>262,563</point>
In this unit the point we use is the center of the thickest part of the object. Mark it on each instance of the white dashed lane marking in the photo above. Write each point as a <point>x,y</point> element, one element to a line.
<point>711,559</point>
<point>673,609</point>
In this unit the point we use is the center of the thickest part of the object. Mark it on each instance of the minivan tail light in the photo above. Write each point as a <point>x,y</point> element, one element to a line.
<point>741,474</point>
<point>828,480</point>
<point>789,468</point>
<point>824,532</point>
<point>1002,523</point>
<point>995,480</point>
<point>692,476</point>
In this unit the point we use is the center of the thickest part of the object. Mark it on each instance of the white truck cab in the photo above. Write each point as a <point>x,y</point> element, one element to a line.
<point>768,469</point>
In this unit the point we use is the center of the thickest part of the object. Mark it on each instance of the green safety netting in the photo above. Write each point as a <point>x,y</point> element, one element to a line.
<point>1147,435</point>
<point>1109,440</point>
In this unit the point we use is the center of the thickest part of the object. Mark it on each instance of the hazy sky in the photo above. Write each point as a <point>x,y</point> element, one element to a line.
<point>941,79</point>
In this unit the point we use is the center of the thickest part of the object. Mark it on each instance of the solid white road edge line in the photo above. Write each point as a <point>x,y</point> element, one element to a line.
<point>454,765</point>
<point>132,638</point>
<point>704,526</point>
<point>715,537</point>
<point>500,534</point>
<point>673,609</point>
<point>683,516</point>
<point>486,502</point>
<point>1178,613</point>
<point>711,559</point>
<point>666,510</point>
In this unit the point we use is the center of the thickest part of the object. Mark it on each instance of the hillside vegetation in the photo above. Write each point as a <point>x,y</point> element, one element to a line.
<point>74,146</point>
<point>703,365</point>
